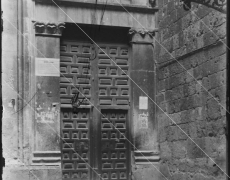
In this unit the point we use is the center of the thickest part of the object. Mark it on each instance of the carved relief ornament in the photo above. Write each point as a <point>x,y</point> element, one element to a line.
<point>142,31</point>
<point>49,29</point>
<point>141,36</point>
<point>219,5</point>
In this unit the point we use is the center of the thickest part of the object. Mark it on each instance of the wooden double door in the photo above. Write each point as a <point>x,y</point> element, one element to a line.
<point>94,135</point>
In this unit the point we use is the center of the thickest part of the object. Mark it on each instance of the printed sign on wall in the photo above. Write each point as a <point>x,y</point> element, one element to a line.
<point>143,120</point>
<point>143,102</point>
<point>47,67</point>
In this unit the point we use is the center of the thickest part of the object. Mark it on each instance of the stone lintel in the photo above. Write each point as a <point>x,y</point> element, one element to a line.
<point>109,6</point>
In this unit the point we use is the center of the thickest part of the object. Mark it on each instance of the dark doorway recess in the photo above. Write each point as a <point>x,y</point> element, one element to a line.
<point>99,33</point>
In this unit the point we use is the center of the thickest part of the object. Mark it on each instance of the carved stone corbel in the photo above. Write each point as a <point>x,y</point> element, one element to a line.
<point>60,27</point>
<point>141,36</point>
<point>142,31</point>
<point>39,27</point>
<point>49,29</point>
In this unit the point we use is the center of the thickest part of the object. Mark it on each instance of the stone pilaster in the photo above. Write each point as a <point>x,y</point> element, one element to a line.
<point>143,95</point>
<point>143,73</point>
<point>47,104</point>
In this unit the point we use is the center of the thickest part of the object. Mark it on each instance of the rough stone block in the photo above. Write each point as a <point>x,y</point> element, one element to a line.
<point>197,101</point>
<point>160,4</point>
<point>165,151</point>
<point>189,75</point>
<point>209,38</point>
<point>182,135</point>
<point>176,117</point>
<point>176,80</point>
<point>200,42</point>
<point>170,6</point>
<point>173,17</point>
<point>179,149</point>
<point>175,68</point>
<point>175,41</point>
<point>186,116</point>
<point>178,92</point>
<point>181,51</point>
<point>216,19</point>
<point>170,107</point>
<point>187,103</point>
<point>186,21</point>
<point>193,151</point>
<point>172,134</point>
<point>168,95</point>
<point>162,136</point>
<point>165,171</point>
<point>175,27</point>
<point>218,64</point>
<point>217,79</point>
<point>216,51</point>
<point>181,39</point>
<point>146,172</point>
<point>193,130</point>
<point>161,86</point>
<point>181,12</point>
<point>191,45</point>
<point>205,84</point>
<point>202,11</point>
<point>220,94</point>
<point>160,98</point>
<point>177,176</point>
<point>177,105</point>
<point>163,120</point>
<point>220,31</point>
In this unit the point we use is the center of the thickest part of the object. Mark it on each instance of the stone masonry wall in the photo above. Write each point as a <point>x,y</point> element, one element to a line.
<point>201,53</point>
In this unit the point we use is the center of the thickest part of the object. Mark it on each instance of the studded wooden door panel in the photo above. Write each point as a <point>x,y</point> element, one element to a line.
<point>75,71</point>
<point>75,144</point>
<point>112,82</point>
<point>100,143</point>
<point>114,146</point>
<point>114,93</point>
<point>75,76</point>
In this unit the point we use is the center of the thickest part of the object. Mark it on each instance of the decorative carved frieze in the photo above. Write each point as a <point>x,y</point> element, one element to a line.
<point>219,5</point>
<point>142,31</point>
<point>49,29</point>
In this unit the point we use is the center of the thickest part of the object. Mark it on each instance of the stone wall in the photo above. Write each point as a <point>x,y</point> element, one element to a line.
<point>9,82</point>
<point>188,101</point>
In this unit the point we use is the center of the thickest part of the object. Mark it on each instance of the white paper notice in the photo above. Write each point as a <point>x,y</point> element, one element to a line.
<point>47,67</point>
<point>143,119</point>
<point>143,102</point>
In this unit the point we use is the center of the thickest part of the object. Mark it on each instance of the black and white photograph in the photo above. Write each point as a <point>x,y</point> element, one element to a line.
<point>115,90</point>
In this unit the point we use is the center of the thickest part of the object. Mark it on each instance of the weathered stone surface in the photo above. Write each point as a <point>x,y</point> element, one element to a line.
<point>190,84</point>
<point>146,172</point>
<point>27,173</point>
